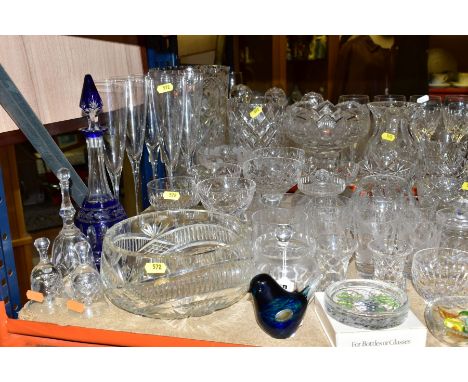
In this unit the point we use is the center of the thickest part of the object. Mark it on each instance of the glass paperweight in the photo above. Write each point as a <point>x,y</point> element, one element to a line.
<point>100,210</point>
<point>447,319</point>
<point>45,276</point>
<point>177,263</point>
<point>63,252</point>
<point>278,312</point>
<point>85,280</point>
<point>367,304</point>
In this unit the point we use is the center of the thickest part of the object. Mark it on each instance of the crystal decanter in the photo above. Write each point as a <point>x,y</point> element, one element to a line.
<point>64,256</point>
<point>86,284</point>
<point>45,276</point>
<point>100,210</point>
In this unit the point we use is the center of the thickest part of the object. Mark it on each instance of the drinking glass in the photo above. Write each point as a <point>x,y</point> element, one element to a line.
<point>374,219</point>
<point>112,119</point>
<point>136,107</point>
<point>152,129</point>
<point>427,116</point>
<point>168,91</point>
<point>389,258</point>
<point>178,192</point>
<point>455,116</point>
<point>389,97</point>
<point>359,98</point>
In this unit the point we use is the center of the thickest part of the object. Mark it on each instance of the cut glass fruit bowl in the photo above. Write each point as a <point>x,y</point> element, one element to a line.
<point>176,264</point>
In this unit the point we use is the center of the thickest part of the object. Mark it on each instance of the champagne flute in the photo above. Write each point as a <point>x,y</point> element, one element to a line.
<point>167,88</point>
<point>113,120</point>
<point>152,131</point>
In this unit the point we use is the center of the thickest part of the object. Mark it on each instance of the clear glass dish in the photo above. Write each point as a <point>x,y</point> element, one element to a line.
<point>436,314</point>
<point>175,264</point>
<point>367,304</point>
<point>439,272</point>
<point>173,193</point>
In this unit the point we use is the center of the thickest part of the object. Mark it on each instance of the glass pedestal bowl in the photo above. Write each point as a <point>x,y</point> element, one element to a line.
<point>173,193</point>
<point>275,171</point>
<point>201,172</point>
<point>226,194</point>
<point>175,264</point>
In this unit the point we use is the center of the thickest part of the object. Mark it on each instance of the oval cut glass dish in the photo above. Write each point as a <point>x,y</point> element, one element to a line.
<point>176,264</point>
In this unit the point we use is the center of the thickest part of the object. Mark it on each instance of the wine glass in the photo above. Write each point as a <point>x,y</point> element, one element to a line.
<point>427,117</point>
<point>167,89</point>
<point>136,105</point>
<point>455,115</point>
<point>112,119</point>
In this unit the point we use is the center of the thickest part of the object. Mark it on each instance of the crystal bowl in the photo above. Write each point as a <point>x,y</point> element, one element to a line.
<point>173,193</point>
<point>367,304</point>
<point>226,194</point>
<point>438,311</point>
<point>177,263</point>
<point>438,272</point>
<point>201,172</point>
<point>211,156</point>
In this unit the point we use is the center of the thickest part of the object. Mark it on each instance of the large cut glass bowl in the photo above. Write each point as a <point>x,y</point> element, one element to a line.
<point>175,264</point>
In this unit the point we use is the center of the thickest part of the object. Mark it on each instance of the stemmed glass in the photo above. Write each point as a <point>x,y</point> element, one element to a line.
<point>455,115</point>
<point>167,88</point>
<point>136,104</point>
<point>152,129</point>
<point>427,116</point>
<point>112,119</point>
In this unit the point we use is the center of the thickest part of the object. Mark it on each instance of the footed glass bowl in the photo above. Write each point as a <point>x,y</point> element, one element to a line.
<point>175,264</point>
<point>440,272</point>
<point>173,193</point>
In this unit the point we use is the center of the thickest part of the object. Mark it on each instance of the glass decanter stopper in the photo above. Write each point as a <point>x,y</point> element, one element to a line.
<point>45,277</point>
<point>86,282</point>
<point>63,252</point>
<point>100,209</point>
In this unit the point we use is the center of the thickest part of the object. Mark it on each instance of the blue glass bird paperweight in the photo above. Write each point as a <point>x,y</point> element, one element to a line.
<point>100,210</point>
<point>278,312</point>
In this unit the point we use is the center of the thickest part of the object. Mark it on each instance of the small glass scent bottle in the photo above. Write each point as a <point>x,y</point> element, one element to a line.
<point>63,252</point>
<point>86,283</point>
<point>100,210</point>
<point>45,277</point>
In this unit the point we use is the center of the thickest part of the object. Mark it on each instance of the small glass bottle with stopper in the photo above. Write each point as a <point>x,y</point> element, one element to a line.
<point>86,284</point>
<point>63,252</point>
<point>45,277</point>
<point>100,210</point>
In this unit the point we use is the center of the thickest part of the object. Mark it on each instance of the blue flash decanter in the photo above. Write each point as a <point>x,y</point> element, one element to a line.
<point>100,209</point>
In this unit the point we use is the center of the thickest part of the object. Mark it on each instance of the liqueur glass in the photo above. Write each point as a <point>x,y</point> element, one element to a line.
<point>112,120</point>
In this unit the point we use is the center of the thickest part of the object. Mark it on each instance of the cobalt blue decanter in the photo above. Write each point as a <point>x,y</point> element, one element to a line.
<point>100,210</point>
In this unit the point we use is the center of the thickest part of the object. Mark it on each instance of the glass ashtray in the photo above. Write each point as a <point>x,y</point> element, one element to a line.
<point>366,304</point>
<point>447,319</point>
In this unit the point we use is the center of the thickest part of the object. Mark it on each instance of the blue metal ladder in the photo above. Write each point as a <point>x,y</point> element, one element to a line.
<point>9,291</point>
